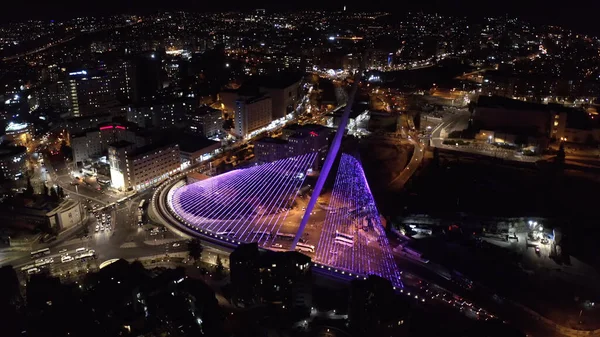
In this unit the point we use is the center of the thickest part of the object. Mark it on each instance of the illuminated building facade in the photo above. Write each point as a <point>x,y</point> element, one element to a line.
<point>90,93</point>
<point>138,169</point>
<point>95,142</point>
<point>18,133</point>
<point>205,121</point>
<point>252,114</point>
<point>160,114</point>
<point>13,161</point>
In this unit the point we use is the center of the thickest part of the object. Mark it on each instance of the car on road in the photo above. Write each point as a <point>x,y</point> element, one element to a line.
<point>33,271</point>
<point>66,258</point>
<point>176,244</point>
<point>277,245</point>
<point>62,251</point>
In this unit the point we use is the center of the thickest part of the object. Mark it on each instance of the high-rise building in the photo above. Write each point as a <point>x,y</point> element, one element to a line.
<point>205,121</point>
<point>284,92</point>
<point>13,162</point>
<point>147,76</point>
<point>121,78</point>
<point>138,169</point>
<point>80,124</point>
<point>160,113</point>
<point>271,277</point>
<point>90,92</point>
<point>244,263</point>
<point>296,140</point>
<point>252,114</point>
<point>376,309</point>
<point>95,141</point>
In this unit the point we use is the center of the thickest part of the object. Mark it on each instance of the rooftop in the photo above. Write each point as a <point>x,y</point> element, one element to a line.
<point>9,151</point>
<point>121,144</point>
<point>188,142</point>
<point>271,140</point>
<point>204,110</point>
<point>140,151</point>
<point>279,81</point>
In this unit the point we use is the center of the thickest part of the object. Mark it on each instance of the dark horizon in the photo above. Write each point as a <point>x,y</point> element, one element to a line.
<point>579,16</point>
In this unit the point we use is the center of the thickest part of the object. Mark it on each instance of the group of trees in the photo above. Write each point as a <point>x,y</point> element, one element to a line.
<point>195,250</point>
<point>55,193</point>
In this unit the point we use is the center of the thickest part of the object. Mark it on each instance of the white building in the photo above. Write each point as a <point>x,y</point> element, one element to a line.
<point>138,169</point>
<point>205,121</point>
<point>95,142</point>
<point>252,114</point>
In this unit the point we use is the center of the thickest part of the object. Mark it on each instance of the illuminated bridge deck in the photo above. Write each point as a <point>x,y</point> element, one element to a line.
<point>353,238</point>
<point>245,205</point>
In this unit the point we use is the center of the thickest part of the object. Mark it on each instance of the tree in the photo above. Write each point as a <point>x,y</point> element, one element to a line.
<point>219,268</point>
<point>29,189</point>
<point>46,191</point>
<point>589,140</point>
<point>195,249</point>
<point>53,194</point>
<point>417,120</point>
<point>560,156</point>
<point>471,106</point>
<point>436,156</point>
<point>66,150</point>
<point>228,124</point>
<point>60,192</point>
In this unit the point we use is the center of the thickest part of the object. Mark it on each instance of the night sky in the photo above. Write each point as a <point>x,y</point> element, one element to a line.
<point>581,15</point>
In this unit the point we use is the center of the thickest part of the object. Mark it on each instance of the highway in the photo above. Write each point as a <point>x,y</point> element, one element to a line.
<point>60,42</point>
<point>411,166</point>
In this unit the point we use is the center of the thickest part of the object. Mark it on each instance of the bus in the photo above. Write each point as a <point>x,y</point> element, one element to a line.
<point>43,262</point>
<point>305,248</point>
<point>262,233</point>
<point>141,206</point>
<point>27,267</point>
<point>41,252</point>
<point>344,235</point>
<point>343,241</point>
<point>286,236</point>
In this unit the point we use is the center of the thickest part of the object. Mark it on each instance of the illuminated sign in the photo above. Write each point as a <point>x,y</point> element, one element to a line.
<point>108,127</point>
<point>12,126</point>
<point>81,72</point>
<point>314,134</point>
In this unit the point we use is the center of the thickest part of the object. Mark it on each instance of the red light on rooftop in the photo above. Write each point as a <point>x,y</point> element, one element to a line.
<point>314,134</point>
<point>106,127</point>
<point>120,127</point>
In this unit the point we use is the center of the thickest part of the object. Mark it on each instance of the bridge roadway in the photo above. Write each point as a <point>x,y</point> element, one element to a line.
<point>422,288</point>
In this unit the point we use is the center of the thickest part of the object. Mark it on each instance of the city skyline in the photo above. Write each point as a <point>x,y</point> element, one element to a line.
<point>305,173</point>
<point>578,15</point>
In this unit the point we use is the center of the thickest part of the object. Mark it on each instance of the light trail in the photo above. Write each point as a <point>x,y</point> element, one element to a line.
<point>249,203</point>
<point>353,212</point>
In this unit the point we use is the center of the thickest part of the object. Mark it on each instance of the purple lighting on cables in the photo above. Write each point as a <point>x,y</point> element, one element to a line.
<point>247,204</point>
<point>353,238</point>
